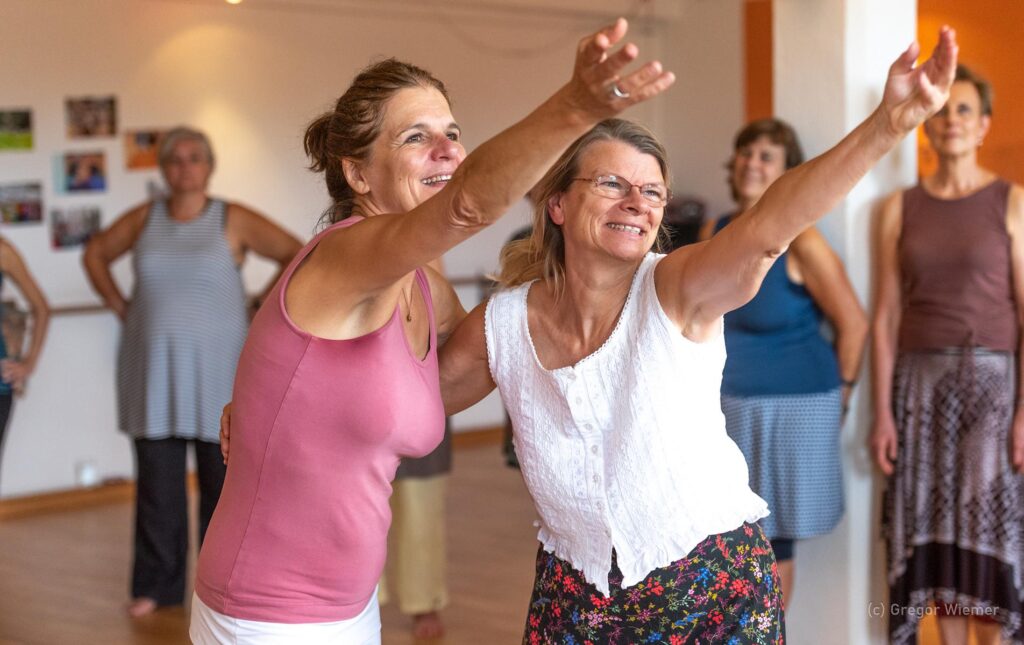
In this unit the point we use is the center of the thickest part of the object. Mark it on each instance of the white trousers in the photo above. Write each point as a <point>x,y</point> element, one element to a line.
<point>209,627</point>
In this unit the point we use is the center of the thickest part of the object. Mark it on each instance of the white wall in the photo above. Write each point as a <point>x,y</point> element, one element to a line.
<point>252,76</point>
<point>831,59</point>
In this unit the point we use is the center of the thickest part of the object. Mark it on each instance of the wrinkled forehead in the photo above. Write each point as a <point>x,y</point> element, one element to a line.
<point>614,157</point>
<point>413,106</point>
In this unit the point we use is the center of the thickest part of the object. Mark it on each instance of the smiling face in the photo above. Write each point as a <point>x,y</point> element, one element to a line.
<point>959,127</point>
<point>624,228</point>
<point>187,168</point>
<point>755,167</point>
<point>414,156</point>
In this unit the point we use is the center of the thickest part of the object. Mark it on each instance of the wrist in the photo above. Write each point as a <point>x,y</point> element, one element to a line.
<point>886,127</point>
<point>566,106</point>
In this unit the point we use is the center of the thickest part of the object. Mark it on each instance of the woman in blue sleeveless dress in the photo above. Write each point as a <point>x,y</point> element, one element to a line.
<point>785,386</point>
<point>15,368</point>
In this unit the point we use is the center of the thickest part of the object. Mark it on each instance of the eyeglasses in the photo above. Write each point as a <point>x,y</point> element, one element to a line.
<point>615,187</point>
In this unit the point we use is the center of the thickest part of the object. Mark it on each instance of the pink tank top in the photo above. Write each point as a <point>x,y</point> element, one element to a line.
<point>318,426</point>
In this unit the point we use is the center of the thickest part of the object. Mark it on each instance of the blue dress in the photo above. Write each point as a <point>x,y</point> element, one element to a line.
<point>782,399</point>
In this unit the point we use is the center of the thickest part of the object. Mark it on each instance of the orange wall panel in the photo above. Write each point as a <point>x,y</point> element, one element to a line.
<point>989,33</point>
<point>757,33</point>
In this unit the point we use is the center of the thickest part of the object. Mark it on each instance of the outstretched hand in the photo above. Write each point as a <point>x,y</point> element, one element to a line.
<point>596,75</point>
<point>912,94</point>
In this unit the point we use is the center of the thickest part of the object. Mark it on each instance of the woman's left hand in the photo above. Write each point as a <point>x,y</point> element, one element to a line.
<point>15,373</point>
<point>912,94</point>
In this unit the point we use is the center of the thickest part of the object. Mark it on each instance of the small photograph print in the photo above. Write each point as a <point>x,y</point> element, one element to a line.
<point>21,203</point>
<point>15,129</point>
<point>140,148</point>
<point>84,172</point>
<point>71,227</point>
<point>91,116</point>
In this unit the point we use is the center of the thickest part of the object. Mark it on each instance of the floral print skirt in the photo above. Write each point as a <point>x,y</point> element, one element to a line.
<point>726,590</point>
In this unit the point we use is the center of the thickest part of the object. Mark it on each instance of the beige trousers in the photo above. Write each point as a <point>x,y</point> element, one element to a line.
<point>416,550</point>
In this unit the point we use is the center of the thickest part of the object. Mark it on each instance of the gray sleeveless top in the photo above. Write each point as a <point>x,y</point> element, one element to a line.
<point>184,329</point>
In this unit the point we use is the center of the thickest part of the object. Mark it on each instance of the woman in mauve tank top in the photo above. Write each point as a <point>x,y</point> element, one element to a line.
<point>949,430</point>
<point>339,377</point>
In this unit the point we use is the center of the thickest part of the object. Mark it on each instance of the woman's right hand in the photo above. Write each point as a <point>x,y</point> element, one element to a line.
<point>225,432</point>
<point>883,444</point>
<point>596,75</point>
<point>914,93</point>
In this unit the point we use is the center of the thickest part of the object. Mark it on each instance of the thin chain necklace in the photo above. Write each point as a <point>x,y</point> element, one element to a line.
<point>408,304</point>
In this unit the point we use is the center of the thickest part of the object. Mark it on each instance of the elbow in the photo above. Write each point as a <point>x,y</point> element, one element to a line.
<point>41,314</point>
<point>466,212</point>
<point>773,253</point>
<point>91,255</point>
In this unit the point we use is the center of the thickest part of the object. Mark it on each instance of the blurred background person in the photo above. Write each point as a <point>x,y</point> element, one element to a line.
<point>183,331</point>
<point>417,557</point>
<point>949,430</point>
<point>15,368</point>
<point>785,386</point>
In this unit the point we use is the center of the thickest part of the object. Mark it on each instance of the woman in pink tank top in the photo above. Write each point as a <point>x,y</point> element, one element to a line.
<point>338,378</point>
<point>949,426</point>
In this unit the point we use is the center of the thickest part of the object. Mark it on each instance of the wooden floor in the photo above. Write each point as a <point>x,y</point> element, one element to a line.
<point>64,576</point>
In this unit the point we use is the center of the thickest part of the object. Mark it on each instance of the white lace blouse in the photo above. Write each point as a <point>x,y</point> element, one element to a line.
<point>626,449</point>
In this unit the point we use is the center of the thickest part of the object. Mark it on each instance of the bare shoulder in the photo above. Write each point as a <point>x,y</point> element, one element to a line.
<point>890,214</point>
<point>1016,199</point>
<point>130,223</point>
<point>809,242</point>
<point>241,215</point>
<point>1015,210</point>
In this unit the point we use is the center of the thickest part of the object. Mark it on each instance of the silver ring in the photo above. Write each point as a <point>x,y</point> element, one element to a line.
<point>618,93</point>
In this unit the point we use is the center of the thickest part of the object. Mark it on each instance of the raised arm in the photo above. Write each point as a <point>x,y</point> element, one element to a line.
<point>105,247</point>
<point>885,327</point>
<point>698,284</point>
<point>11,264</point>
<point>465,376</point>
<point>499,172</point>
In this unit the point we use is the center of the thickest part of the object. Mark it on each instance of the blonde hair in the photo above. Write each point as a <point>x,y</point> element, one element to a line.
<point>542,254</point>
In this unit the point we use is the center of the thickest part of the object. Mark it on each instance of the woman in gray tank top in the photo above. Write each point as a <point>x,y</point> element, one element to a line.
<point>184,326</point>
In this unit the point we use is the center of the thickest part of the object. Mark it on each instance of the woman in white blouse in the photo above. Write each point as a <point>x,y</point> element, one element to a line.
<point>609,360</point>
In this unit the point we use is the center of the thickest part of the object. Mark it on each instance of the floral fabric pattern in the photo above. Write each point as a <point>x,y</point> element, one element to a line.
<point>726,590</point>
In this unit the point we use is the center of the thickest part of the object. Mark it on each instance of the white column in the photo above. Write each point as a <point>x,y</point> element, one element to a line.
<point>831,60</point>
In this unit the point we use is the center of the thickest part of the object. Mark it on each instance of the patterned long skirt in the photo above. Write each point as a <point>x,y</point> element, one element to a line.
<point>726,590</point>
<point>954,508</point>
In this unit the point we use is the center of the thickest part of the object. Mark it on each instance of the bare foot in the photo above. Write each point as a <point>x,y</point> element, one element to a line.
<point>141,607</point>
<point>427,625</point>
